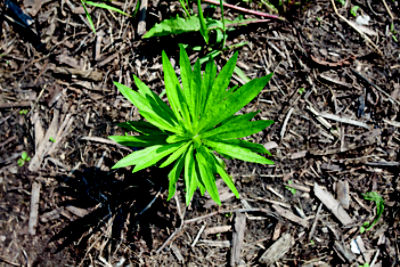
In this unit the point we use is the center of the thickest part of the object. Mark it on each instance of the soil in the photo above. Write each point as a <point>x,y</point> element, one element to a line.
<point>334,97</point>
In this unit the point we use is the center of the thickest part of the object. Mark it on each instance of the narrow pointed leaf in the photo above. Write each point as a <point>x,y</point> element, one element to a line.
<point>149,155</point>
<point>231,125</point>
<point>244,129</point>
<point>174,156</point>
<point>220,84</point>
<point>207,176</point>
<point>174,92</point>
<point>155,102</point>
<point>139,141</point>
<point>173,176</point>
<point>142,127</point>
<point>152,158</point>
<point>228,180</point>
<point>237,152</point>
<point>257,148</point>
<point>234,102</point>
<point>145,108</point>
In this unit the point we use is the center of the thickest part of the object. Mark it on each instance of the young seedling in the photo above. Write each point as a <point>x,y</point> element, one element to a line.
<point>199,123</point>
<point>380,204</point>
<point>24,158</point>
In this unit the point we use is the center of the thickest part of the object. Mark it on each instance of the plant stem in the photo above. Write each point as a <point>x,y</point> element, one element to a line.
<point>245,10</point>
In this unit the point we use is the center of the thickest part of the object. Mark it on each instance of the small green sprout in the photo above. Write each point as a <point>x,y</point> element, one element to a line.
<point>354,10</point>
<point>394,32</point>
<point>380,204</point>
<point>51,139</point>
<point>23,111</point>
<point>24,158</point>
<point>301,90</point>
<point>342,2</point>
<point>291,189</point>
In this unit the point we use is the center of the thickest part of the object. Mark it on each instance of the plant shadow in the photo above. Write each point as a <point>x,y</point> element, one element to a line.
<point>131,201</point>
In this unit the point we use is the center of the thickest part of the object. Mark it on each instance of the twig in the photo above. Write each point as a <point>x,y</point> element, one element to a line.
<point>285,122</point>
<point>151,202</point>
<point>33,216</point>
<point>8,262</point>
<point>363,35</point>
<point>170,238</point>
<point>16,104</point>
<point>314,225</point>
<point>362,77</point>
<point>388,10</point>
<point>245,10</point>
<point>141,28</point>
<point>237,238</point>
<point>344,120</point>
<point>196,239</point>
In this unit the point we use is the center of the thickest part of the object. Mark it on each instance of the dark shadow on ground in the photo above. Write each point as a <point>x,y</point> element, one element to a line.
<point>132,201</point>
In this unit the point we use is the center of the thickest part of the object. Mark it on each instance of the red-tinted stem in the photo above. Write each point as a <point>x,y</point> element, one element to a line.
<point>245,10</point>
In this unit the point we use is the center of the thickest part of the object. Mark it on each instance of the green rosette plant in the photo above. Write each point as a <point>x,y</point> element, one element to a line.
<point>197,129</point>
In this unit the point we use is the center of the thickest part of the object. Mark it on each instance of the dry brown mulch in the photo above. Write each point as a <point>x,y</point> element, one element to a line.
<point>334,97</point>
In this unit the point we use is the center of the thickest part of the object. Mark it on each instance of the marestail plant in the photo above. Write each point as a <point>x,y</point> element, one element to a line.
<point>198,127</point>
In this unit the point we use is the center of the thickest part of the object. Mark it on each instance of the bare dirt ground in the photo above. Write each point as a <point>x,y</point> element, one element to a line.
<point>334,97</point>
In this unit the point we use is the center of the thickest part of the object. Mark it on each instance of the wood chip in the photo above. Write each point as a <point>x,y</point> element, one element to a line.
<point>44,144</point>
<point>345,252</point>
<point>177,253</point>
<point>217,229</point>
<point>141,28</point>
<point>290,216</point>
<point>332,204</point>
<point>277,250</point>
<point>343,193</point>
<point>213,243</point>
<point>345,120</point>
<point>77,211</point>
<point>237,238</point>
<point>34,213</point>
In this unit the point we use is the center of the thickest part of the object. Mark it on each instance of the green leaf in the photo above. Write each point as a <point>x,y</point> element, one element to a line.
<point>353,10</point>
<point>257,148</point>
<point>142,127</point>
<point>139,141</point>
<point>237,152</point>
<point>245,129</point>
<point>20,162</point>
<point>190,174</point>
<point>228,180</point>
<point>186,72</point>
<point>173,176</point>
<point>174,156</point>
<point>106,6</point>
<point>155,101</point>
<point>237,127</point>
<point>89,18</point>
<point>219,86</point>
<point>233,102</point>
<point>208,79</point>
<point>380,205</point>
<point>207,176</point>
<point>150,111</point>
<point>24,155</point>
<point>196,97</point>
<point>146,157</point>
<point>176,25</point>
<point>202,22</point>
<point>174,92</point>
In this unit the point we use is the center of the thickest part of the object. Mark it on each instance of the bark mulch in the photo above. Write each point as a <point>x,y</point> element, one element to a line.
<point>334,97</point>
